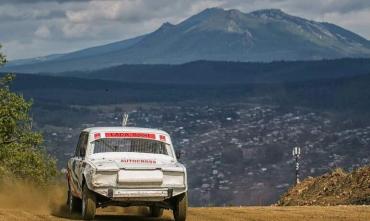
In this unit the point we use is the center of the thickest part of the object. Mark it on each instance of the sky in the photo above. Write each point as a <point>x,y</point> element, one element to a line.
<point>32,28</point>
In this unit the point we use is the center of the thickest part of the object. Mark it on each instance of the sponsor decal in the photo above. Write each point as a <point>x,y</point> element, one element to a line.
<point>97,136</point>
<point>130,135</point>
<point>162,138</point>
<point>147,161</point>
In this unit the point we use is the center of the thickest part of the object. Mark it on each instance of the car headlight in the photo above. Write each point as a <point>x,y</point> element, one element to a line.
<point>173,179</point>
<point>104,179</point>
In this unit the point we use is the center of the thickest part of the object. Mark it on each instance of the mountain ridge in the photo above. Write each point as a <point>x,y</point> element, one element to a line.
<point>223,73</point>
<point>219,35</point>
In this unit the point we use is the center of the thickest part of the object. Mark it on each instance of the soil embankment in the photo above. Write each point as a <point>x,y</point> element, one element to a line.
<point>335,188</point>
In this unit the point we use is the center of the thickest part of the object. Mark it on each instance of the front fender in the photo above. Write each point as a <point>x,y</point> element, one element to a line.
<point>186,176</point>
<point>88,173</point>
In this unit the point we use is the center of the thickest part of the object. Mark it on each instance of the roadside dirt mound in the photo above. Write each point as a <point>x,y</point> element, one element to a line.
<point>334,188</point>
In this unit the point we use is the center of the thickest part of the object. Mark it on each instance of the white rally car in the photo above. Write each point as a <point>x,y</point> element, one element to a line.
<point>126,166</point>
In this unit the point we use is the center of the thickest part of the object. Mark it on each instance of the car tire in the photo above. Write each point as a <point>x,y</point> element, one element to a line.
<point>88,204</point>
<point>156,211</point>
<point>180,207</point>
<point>74,203</point>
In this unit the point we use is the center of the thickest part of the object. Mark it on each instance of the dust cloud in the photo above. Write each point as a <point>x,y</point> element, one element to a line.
<point>20,195</point>
<point>27,196</point>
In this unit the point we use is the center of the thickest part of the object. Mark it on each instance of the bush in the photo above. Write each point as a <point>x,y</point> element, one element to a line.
<point>21,151</point>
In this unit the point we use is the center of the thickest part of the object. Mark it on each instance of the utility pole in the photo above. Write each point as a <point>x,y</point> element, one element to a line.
<point>297,156</point>
<point>124,119</point>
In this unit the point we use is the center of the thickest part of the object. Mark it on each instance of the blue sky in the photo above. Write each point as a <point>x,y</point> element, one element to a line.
<point>42,27</point>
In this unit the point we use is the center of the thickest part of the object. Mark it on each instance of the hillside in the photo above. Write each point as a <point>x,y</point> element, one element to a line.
<point>215,34</point>
<point>226,73</point>
<point>343,85</point>
<point>215,124</point>
<point>334,188</point>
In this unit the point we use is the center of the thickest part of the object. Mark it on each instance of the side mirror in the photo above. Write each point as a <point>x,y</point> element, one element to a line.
<point>178,154</point>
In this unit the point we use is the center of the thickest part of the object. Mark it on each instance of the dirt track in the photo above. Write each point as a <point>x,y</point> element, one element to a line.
<point>22,201</point>
<point>337,213</point>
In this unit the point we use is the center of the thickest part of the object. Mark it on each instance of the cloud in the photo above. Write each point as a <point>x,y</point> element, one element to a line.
<point>53,26</point>
<point>136,11</point>
<point>75,30</point>
<point>330,6</point>
<point>42,32</point>
<point>311,6</point>
<point>19,13</point>
<point>148,14</point>
<point>13,2</point>
<point>357,21</point>
<point>95,11</point>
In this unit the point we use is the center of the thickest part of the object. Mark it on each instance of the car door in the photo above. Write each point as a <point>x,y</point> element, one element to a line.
<point>72,173</point>
<point>75,164</point>
<point>79,161</point>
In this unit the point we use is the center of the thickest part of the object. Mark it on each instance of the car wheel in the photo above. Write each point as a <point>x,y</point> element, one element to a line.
<point>88,204</point>
<point>181,206</point>
<point>156,211</point>
<point>74,203</point>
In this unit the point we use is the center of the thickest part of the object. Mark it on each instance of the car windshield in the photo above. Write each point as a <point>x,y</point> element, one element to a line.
<point>130,145</point>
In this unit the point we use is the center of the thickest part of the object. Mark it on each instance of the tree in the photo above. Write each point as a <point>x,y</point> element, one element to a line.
<point>21,151</point>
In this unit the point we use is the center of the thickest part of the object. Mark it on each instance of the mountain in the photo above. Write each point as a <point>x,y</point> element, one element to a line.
<point>221,35</point>
<point>73,59</point>
<point>33,60</point>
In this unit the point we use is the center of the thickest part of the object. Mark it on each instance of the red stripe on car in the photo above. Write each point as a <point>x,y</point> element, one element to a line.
<point>131,135</point>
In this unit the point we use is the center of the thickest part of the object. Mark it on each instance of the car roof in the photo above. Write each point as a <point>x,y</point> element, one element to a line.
<point>124,129</point>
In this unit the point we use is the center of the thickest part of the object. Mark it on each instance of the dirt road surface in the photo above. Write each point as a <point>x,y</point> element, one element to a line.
<point>25,202</point>
<point>335,213</point>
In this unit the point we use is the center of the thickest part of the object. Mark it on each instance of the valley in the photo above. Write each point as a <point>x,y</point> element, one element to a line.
<point>236,138</point>
<point>239,154</point>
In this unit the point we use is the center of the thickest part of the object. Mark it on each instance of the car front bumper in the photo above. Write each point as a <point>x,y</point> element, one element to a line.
<point>155,194</point>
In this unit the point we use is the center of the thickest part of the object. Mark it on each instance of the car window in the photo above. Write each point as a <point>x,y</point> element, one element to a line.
<point>130,145</point>
<point>77,151</point>
<point>81,146</point>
